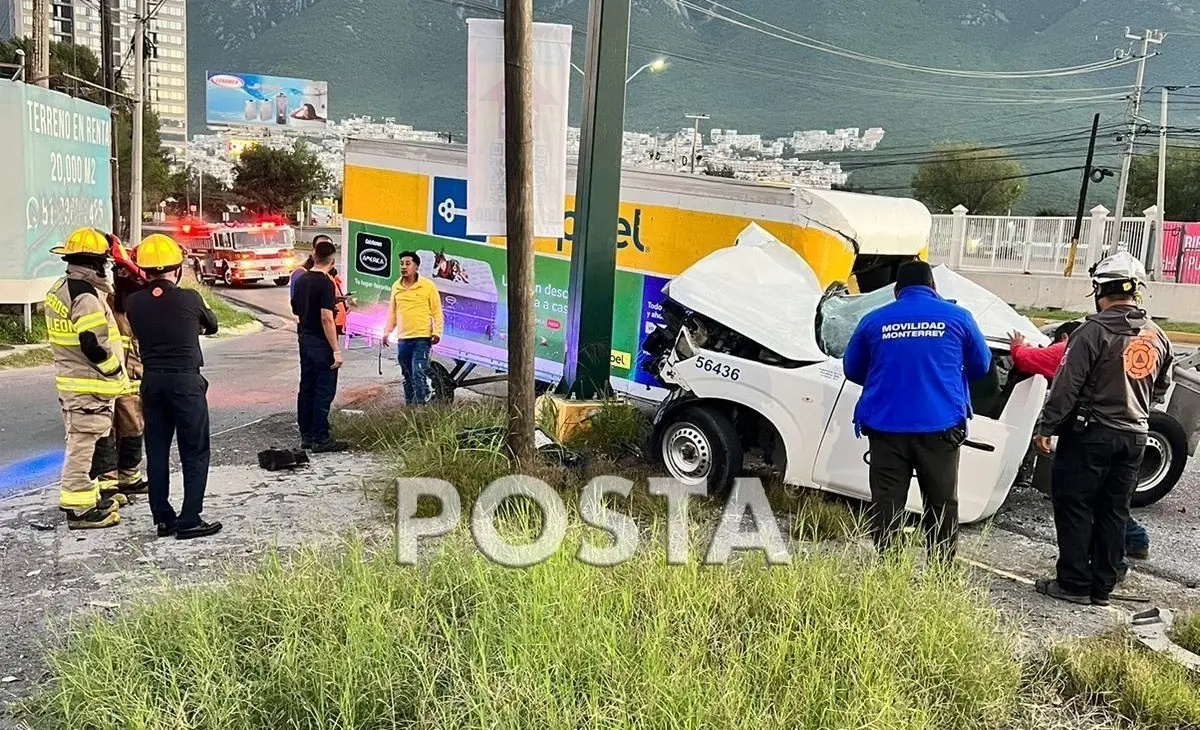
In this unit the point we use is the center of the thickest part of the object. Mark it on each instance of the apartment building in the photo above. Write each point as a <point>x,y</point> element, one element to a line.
<point>78,21</point>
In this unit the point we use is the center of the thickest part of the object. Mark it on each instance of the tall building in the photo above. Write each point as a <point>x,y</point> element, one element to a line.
<point>78,21</point>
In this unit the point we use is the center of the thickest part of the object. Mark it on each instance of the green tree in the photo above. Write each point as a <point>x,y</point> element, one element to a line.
<point>1182,193</point>
<point>184,187</point>
<point>65,58</point>
<point>987,182</point>
<point>277,181</point>
<point>156,173</point>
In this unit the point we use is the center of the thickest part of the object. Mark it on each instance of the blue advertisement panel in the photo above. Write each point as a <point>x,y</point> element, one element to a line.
<point>276,102</point>
<point>61,178</point>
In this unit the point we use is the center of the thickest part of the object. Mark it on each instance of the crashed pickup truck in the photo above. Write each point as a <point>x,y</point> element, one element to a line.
<point>751,357</point>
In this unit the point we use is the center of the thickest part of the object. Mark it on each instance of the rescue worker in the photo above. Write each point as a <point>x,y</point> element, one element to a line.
<point>415,305</point>
<point>342,301</point>
<point>1044,361</point>
<point>167,322</point>
<point>89,374</point>
<point>116,466</point>
<point>915,358</point>
<point>1116,365</point>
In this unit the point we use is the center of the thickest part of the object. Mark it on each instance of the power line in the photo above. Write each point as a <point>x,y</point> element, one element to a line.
<point>1023,176</point>
<point>769,29</point>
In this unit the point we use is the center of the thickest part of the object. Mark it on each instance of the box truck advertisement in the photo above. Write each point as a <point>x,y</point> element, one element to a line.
<point>412,197</point>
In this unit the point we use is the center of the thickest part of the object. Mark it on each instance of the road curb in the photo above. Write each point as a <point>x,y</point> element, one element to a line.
<point>1182,338</point>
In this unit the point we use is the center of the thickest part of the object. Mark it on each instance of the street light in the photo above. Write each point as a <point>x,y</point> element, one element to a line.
<point>657,64</point>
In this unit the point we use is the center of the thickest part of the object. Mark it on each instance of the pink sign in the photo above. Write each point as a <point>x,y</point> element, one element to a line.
<point>1181,252</point>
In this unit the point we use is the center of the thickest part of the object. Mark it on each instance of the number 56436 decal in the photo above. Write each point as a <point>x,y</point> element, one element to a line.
<point>719,369</point>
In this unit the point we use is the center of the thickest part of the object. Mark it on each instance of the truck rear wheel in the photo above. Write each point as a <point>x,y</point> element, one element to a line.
<point>1164,460</point>
<point>282,281</point>
<point>699,445</point>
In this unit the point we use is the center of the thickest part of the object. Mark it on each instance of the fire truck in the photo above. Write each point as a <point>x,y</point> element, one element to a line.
<point>242,253</point>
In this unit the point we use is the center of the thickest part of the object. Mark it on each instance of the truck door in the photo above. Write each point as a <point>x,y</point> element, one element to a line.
<point>988,461</point>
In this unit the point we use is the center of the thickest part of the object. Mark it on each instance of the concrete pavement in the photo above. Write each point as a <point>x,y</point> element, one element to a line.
<point>251,377</point>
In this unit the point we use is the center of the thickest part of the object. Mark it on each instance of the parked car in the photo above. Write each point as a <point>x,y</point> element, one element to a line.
<point>751,355</point>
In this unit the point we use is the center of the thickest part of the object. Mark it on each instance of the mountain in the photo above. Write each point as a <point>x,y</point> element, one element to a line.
<point>406,58</point>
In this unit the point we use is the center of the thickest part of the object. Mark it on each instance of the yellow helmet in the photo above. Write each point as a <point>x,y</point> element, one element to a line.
<point>88,241</point>
<point>158,251</point>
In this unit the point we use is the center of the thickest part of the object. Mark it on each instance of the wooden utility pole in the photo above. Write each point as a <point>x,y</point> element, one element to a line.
<point>518,175</point>
<point>41,43</point>
<point>1083,191</point>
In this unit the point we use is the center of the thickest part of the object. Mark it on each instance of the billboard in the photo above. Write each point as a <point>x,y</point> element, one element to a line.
<point>276,102</point>
<point>236,147</point>
<point>58,177</point>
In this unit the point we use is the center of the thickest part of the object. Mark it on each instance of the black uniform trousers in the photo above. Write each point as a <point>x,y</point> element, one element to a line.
<point>894,458</point>
<point>1091,483</point>
<point>175,404</point>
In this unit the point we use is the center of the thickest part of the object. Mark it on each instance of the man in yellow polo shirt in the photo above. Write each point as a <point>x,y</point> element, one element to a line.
<point>416,307</point>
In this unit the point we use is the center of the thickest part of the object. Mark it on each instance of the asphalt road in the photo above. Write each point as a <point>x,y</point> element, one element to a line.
<point>251,376</point>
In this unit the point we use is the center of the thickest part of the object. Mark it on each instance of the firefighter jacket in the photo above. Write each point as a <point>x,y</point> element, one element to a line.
<point>133,358</point>
<point>84,340</point>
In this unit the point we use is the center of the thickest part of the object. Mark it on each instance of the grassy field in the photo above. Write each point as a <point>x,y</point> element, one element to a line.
<point>1186,632</point>
<point>346,638</point>
<point>227,315</point>
<point>1063,315</point>
<point>27,359</point>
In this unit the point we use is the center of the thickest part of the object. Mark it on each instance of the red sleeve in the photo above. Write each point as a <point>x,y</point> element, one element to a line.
<point>1042,361</point>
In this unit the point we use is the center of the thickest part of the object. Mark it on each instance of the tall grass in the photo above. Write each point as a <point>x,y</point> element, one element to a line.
<point>350,640</point>
<point>1143,686</point>
<point>1185,631</point>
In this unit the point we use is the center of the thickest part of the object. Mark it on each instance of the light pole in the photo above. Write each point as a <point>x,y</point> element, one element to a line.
<point>656,65</point>
<point>695,135</point>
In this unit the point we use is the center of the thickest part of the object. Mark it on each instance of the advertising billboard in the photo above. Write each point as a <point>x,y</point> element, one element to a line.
<point>235,147</point>
<point>58,179</point>
<point>254,100</point>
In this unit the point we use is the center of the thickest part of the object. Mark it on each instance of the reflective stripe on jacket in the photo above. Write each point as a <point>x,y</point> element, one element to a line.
<point>76,311</point>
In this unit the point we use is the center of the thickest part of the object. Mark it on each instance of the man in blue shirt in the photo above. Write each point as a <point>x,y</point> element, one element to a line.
<point>915,359</point>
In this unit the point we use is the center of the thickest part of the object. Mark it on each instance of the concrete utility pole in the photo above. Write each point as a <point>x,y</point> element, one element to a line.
<point>695,135</point>
<point>588,363</point>
<point>518,177</point>
<point>41,43</point>
<point>139,106</point>
<point>1155,257</point>
<point>1147,37</point>
<point>108,68</point>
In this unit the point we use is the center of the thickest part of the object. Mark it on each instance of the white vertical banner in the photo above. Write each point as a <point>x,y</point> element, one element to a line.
<point>485,127</point>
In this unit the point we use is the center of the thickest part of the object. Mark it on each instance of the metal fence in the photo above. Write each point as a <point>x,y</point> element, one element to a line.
<point>1025,244</point>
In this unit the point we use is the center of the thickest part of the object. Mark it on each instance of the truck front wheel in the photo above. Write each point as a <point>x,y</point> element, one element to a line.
<point>1164,460</point>
<point>699,445</point>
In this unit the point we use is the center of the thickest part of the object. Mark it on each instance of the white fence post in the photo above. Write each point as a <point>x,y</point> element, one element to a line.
<point>1095,237</point>
<point>958,236</point>
<point>1149,238</point>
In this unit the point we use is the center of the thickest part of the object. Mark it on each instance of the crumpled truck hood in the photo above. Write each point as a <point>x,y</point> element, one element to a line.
<point>759,288</point>
<point>764,290</point>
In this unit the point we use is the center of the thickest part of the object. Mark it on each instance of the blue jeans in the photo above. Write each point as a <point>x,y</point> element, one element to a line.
<point>1135,535</point>
<point>413,355</point>
<point>318,384</point>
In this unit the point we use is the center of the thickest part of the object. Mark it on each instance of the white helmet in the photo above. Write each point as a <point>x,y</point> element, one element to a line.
<point>1119,274</point>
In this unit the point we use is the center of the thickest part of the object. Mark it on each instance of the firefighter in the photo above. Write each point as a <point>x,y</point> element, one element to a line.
<point>1116,365</point>
<point>167,322</point>
<point>88,369</point>
<point>118,458</point>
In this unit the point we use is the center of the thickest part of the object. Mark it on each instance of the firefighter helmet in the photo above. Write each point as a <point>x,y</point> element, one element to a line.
<point>158,251</point>
<point>83,241</point>
<point>122,258</point>
<point>1121,274</point>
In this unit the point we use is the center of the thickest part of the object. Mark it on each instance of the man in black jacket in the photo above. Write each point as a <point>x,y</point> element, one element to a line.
<point>168,322</point>
<point>1117,364</point>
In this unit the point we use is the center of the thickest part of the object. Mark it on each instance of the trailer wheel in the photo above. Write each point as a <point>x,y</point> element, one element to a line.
<point>699,445</point>
<point>1164,460</point>
<point>441,385</point>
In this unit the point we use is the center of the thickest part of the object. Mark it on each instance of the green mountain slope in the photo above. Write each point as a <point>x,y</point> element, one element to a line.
<point>406,58</point>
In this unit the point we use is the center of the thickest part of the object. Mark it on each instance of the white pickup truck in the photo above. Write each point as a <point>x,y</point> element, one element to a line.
<point>751,355</point>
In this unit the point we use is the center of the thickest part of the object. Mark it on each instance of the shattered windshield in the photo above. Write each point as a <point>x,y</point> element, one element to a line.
<point>839,313</point>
